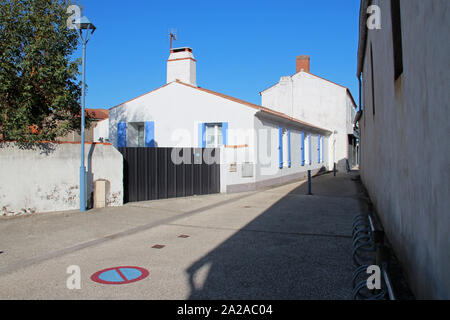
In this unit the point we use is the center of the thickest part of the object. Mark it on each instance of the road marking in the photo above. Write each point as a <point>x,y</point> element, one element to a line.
<point>14,267</point>
<point>120,275</point>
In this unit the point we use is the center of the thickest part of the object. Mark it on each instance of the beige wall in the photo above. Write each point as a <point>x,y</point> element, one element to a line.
<point>405,161</point>
<point>76,137</point>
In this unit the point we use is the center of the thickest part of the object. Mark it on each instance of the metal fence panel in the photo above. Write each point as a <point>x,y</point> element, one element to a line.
<point>150,174</point>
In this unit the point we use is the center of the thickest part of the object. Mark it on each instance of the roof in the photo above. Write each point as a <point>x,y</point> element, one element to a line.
<point>255,106</point>
<point>348,90</point>
<point>99,114</point>
<point>246,103</point>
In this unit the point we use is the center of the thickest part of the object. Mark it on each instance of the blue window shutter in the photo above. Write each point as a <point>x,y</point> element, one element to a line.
<point>202,135</point>
<point>150,134</point>
<point>122,134</point>
<point>289,147</point>
<point>310,149</point>
<point>303,148</point>
<point>225,133</point>
<point>318,148</point>
<point>280,146</point>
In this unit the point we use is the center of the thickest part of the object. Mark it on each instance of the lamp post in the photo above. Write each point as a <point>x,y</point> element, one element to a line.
<point>86,29</point>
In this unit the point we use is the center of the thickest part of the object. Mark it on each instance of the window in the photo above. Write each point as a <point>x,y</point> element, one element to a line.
<point>310,149</point>
<point>303,158</point>
<point>322,145</point>
<point>319,149</point>
<point>214,137</point>
<point>397,38</point>
<point>307,150</point>
<point>285,149</point>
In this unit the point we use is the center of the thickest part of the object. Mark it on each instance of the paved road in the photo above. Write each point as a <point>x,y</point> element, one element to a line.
<point>272,244</point>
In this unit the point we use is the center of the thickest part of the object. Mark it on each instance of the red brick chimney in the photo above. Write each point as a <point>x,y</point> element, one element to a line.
<point>303,64</point>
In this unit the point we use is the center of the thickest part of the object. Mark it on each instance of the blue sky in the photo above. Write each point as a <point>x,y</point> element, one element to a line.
<point>242,47</point>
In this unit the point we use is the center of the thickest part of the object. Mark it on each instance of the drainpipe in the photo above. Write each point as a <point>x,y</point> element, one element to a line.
<point>360,86</point>
<point>358,150</point>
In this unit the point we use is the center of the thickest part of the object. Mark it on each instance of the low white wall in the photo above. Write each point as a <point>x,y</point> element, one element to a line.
<point>44,181</point>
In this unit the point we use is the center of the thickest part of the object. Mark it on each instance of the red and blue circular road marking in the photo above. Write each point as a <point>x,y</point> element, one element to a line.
<point>120,275</point>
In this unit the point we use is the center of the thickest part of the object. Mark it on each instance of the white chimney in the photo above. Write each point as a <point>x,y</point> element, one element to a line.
<point>182,66</point>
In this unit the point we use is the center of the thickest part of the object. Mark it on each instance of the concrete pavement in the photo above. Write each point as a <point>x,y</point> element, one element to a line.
<point>271,244</point>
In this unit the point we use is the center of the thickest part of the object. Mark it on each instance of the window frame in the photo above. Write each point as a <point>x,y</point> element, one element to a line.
<point>218,132</point>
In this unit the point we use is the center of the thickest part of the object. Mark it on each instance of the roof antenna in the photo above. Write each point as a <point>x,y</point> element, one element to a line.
<point>173,36</point>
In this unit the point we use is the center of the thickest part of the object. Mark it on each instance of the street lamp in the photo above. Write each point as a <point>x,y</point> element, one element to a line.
<point>86,29</point>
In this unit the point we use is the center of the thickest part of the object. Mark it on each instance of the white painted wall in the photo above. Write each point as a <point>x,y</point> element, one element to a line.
<point>182,66</point>
<point>266,162</point>
<point>404,146</point>
<point>177,109</point>
<point>318,102</point>
<point>101,131</point>
<point>36,181</point>
<point>269,172</point>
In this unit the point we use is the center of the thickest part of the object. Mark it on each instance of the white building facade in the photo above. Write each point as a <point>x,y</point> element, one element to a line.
<point>319,102</point>
<point>404,126</point>
<point>259,146</point>
<point>101,131</point>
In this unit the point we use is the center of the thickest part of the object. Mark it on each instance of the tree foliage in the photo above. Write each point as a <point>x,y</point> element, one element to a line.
<point>39,87</point>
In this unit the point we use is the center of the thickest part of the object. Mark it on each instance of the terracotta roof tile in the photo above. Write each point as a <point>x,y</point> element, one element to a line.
<point>255,106</point>
<point>99,114</point>
<point>249,104</point>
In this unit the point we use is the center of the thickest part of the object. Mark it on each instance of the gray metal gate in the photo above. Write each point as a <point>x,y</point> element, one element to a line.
<point>150,173</point>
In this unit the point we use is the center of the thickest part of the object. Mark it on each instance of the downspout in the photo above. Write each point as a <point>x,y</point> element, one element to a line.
<point>360,111</point>
<point>358,145</point>
<point>360,92</point>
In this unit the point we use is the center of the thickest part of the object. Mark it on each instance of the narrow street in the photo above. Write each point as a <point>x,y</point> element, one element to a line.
<point>273,244</point>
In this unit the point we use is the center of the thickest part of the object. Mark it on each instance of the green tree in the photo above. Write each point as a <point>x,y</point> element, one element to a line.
<point>39,87</point>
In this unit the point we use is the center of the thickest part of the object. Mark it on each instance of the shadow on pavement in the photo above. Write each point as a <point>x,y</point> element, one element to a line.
<point>300,248</point>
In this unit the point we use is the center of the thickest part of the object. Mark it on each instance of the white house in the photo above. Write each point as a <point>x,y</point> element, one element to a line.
<point>320,102</point>
<point>259,146</point>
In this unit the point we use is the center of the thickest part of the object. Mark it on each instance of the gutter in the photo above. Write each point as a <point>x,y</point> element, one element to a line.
<point>360,112</point>
<point>292,121</point>
<point>362,43</point>
<point>362,36</point>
